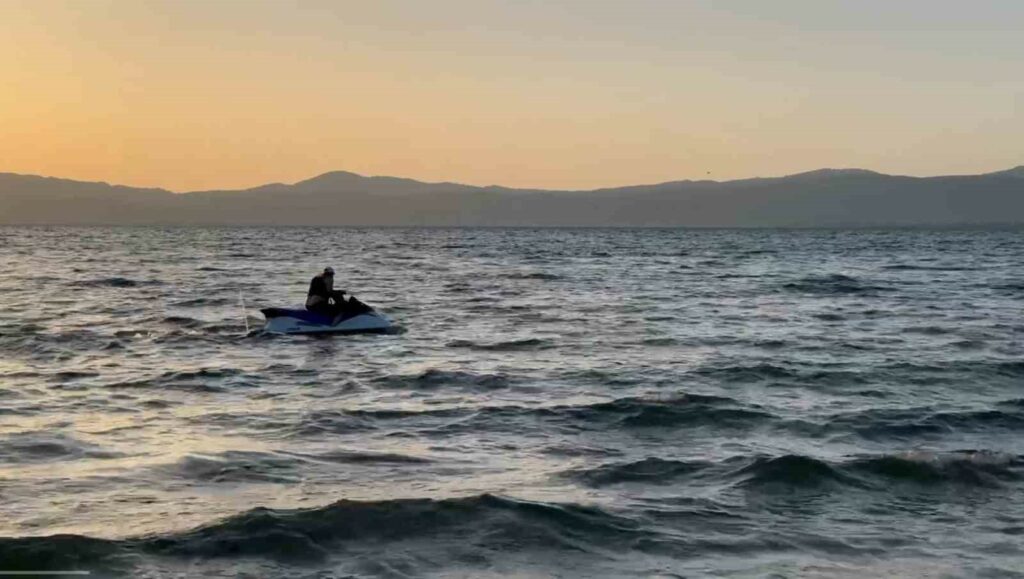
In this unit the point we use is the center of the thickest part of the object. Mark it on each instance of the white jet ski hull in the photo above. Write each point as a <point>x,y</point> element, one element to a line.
<point>283,321</point>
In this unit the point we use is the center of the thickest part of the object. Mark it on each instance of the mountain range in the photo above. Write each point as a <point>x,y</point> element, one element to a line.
<point>823,198</point>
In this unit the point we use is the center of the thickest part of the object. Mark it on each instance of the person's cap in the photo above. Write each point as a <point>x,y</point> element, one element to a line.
<point>329,270</point>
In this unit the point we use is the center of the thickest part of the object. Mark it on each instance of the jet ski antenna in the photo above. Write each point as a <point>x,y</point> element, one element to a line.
<point>245,313</point>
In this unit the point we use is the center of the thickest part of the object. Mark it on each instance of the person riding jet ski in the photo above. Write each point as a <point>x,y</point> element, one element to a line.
<point>327,312</point>
<point>323,299</point>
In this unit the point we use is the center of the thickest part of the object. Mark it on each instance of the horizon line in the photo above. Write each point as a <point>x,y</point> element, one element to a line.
<point>496,186</point>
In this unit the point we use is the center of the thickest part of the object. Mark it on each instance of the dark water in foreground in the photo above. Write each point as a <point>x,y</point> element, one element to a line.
<point>562,403</point>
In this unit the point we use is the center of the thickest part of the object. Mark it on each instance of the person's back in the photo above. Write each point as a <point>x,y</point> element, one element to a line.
<point>321,292</point>
<point>318,292</point>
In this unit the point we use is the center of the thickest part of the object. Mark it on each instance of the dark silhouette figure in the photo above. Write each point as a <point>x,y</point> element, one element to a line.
<point>323,299</point>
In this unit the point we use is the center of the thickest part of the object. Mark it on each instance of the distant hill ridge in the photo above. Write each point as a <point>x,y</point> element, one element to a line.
<point>821,198</point>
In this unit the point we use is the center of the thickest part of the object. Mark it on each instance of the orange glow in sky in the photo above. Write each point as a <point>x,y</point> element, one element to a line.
<point>196,94</point>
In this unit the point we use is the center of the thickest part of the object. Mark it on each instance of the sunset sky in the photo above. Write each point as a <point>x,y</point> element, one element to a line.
<point>561,94</point>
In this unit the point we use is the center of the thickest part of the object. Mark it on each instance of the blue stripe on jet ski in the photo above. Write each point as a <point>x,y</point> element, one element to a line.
<point>304,315</point>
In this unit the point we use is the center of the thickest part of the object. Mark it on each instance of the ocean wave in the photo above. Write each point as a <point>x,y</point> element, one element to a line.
<point>969,344</point>
<point>534,275</point>
<point>186,328</point>
<point>64,552</point>
<point>911,423</point>
<point>837,374</point>
<point>215,329</point>
<point>833,285</point>
<point>116,282</point>
<point>199,380</point>
<point>41,447</point>
<point>742,472</point>
<point>63,375</point>
<point>505,346</point>
<point>927,330</point>
<point>1008,368</point>
<point>601,377</point>
<point>661,341</point>
<point>492,523</point>
<point>458,287</point>
<point>320,422</point>
<point>204,302</point>
<point>650,470</point>
<point>271,425</point>
<point>32,343</point>
<point>343,456</point>
<point>437,378</point>
<point>790,471</point>
<point>235,467</point>
<point>183,337</point>
<point>793,471</point>
<point>114,345</point>
<point>913,267</point>
<point>692,411</point>
<point>745,373</point>
<point>1010,289</point>
<point>182,321</point>
<point>970,468</point>
<point>810,376</point>
<point>683,410</point>
<point>955,370</point>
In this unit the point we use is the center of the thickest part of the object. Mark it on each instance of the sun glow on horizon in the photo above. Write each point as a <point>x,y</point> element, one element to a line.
<point>201,95</point>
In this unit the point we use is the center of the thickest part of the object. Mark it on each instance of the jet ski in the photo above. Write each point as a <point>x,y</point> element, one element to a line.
<point>295,321</point>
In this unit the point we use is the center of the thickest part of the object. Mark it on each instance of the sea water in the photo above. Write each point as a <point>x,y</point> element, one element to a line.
<point>575,403</point>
